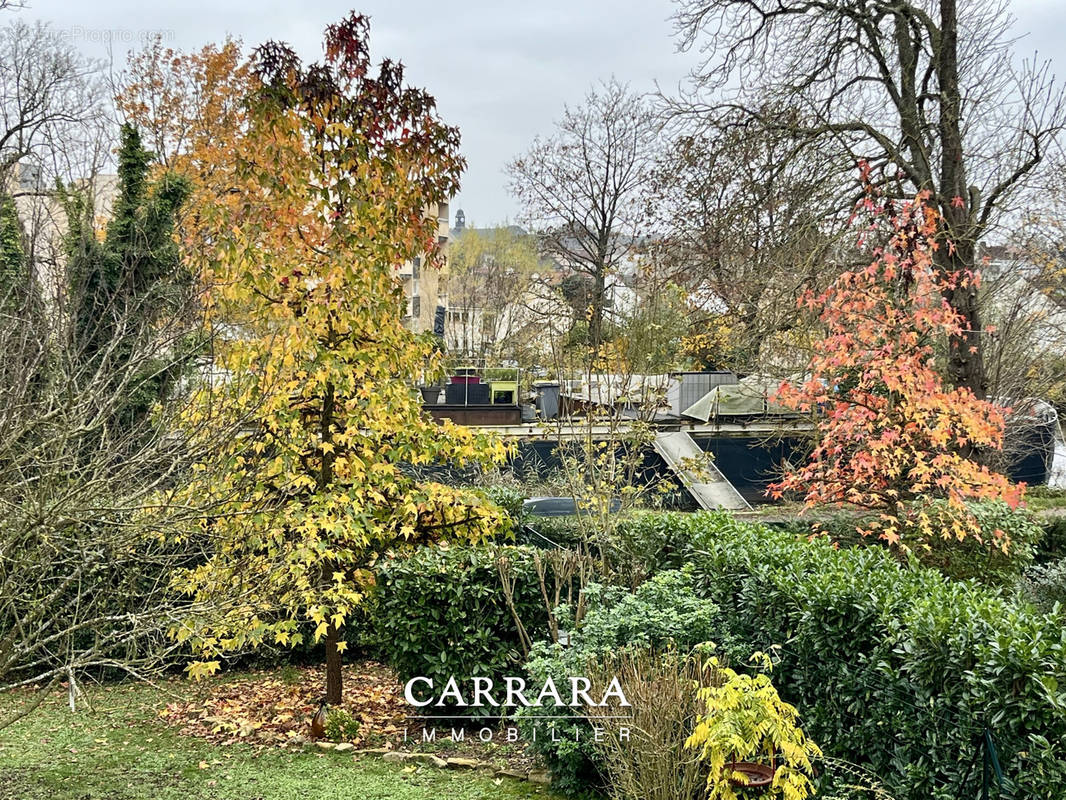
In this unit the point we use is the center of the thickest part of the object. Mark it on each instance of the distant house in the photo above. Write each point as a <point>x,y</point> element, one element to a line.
<point>470,316</point>
<point>475,323</point>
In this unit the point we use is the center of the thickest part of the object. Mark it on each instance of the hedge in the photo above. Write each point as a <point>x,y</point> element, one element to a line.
<point>891,666</point>
<point>441,613</point>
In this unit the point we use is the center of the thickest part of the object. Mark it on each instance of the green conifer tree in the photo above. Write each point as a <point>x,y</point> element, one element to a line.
<point>120,286</point>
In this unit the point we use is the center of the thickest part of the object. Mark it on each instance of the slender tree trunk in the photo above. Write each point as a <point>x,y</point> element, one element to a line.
<point>325,477</point>
<point>333,667</point>
<point>599,292</point>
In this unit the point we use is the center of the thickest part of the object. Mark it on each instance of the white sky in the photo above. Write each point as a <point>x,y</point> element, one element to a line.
<point>500,69</point>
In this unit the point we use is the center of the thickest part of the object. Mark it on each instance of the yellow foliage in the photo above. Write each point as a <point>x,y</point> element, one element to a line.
<point>746,720</point>
<point>302,213</point>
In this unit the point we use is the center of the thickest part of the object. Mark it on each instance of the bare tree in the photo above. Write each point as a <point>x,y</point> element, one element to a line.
<point>84,568</point>
<point>83,582</point>
<point>580,188</point>
<point>50,105</point>
<point>923,90</point>
<point>94,439</point>
<point>1023,291</point>
<point>746,222</point>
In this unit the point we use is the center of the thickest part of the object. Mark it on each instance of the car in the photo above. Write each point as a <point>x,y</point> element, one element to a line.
<point>559,506</point>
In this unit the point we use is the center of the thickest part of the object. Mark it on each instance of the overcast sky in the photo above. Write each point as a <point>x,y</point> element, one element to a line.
<point>500,69</point>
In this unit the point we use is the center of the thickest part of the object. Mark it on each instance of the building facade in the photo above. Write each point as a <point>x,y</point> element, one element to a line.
<point>424,287</point>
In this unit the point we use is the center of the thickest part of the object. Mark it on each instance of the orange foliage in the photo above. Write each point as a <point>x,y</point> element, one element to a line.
<point>192,110</point>
<point>889,430</point>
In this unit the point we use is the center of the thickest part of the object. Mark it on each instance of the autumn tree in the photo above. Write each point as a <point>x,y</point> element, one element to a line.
<point>580,189</point>
<point>740,222</point>
<point>924,90</point>
<point>189,107</point>
<point>333,173</point>
<point>888,431</point>
<point>192,112</point>
<point>489,274</point>
<point>650,337</point>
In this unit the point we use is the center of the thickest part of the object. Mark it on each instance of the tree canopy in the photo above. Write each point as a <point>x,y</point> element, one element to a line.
<point>332,179</point>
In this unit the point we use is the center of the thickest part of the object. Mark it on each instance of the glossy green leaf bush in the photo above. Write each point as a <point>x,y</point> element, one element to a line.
<point>441,613</point>
<point>892,666</point>
<point>982,559</point>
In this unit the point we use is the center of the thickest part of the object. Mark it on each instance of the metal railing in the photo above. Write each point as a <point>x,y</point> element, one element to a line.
<point>472,384</point>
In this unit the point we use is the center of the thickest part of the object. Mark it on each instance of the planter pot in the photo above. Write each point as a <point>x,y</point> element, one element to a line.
<point>430,394</point>
<point>467,394</point>
<point>759,776</point>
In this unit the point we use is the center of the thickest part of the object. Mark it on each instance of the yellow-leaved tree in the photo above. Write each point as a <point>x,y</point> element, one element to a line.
<point>329,184</point>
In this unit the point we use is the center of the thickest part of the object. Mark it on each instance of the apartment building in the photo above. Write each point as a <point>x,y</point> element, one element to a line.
<point>424,288</point>
<point>45,222</point>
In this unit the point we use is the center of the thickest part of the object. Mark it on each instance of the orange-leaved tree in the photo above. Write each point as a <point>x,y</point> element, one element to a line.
<point>889,429</point>
<point>326,183</point>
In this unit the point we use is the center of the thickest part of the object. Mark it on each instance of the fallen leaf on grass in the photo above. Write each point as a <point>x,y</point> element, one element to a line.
<point>262,710</point>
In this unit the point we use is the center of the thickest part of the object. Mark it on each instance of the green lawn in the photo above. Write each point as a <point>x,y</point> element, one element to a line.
<point>1041,498</point>
<point>122,750</point>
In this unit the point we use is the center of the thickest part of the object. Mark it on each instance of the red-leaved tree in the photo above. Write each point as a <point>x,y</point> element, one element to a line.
<point>889,428</point>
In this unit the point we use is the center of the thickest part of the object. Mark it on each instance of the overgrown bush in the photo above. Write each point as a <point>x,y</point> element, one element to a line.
<point>644,756</point>
<point>985,560</point>
<point>663,613</point>
<point>892,666</point>
<point>648,542</point>
<point>441,612</point>
<point>1045,585</point>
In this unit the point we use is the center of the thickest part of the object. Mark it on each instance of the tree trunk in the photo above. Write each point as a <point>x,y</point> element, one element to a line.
<point>325,477</point>
<point>959,253</point>
<point>333,667</point>
<point>599,299</point>
<point>966,367</point>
